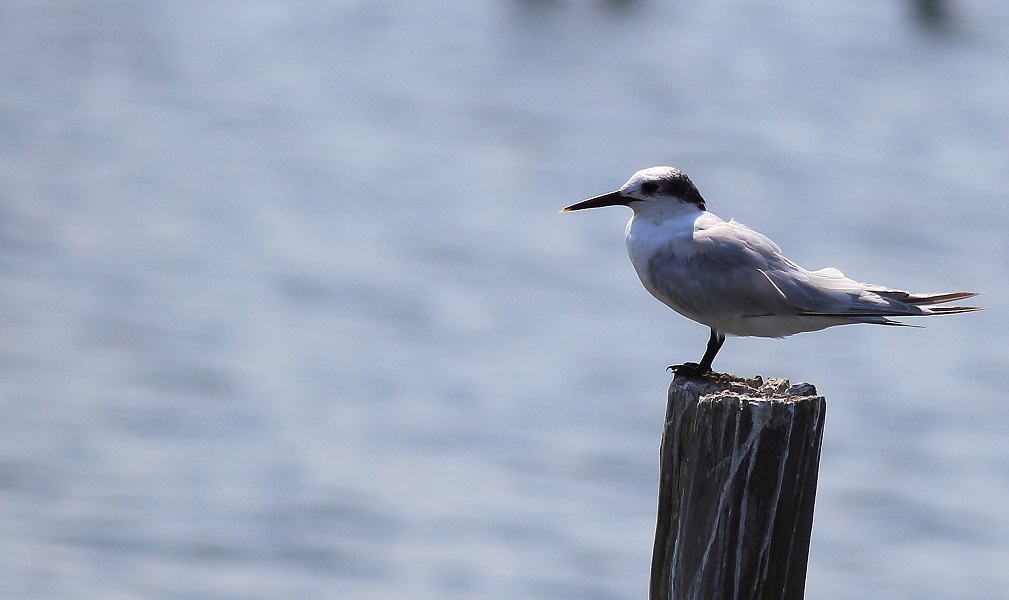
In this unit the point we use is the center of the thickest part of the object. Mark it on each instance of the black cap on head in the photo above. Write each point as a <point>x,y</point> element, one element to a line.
<point>674,182</point>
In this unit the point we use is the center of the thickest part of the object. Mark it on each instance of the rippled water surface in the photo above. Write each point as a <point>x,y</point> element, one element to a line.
<point>288,309</point>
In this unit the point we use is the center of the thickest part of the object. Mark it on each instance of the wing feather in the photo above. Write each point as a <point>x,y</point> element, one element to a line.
<point>735,273</point>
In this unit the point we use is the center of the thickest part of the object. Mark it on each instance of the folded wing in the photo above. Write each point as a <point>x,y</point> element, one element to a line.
<point>736,273</point>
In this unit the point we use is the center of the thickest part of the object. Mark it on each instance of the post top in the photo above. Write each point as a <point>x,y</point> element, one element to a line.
<point>775,388</point>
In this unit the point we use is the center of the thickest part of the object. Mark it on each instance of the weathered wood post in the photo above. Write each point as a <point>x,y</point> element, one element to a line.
<point>738,466</point>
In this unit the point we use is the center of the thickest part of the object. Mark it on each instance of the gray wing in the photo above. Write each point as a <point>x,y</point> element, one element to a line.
<point>735,272</point>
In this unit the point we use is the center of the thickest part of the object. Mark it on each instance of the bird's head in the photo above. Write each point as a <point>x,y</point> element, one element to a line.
<point>665,189</point>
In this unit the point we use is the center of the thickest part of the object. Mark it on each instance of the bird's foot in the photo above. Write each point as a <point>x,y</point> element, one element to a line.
<point>689,369</point>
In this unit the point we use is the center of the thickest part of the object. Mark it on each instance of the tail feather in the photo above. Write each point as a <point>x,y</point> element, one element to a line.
<point>881,314</point>
<point>902,304</point>
<point>951,310</point>
<point>923,299</point>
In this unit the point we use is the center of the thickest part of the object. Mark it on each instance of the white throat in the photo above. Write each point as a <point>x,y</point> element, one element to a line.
<point>663,209</point>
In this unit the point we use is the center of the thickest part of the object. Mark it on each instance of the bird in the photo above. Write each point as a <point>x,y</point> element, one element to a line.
<point>736,281</point>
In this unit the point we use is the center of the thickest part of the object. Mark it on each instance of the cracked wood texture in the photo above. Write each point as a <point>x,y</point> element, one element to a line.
<point>738,466</point>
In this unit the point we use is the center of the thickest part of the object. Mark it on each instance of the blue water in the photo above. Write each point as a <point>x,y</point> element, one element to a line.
<point>288,309</point>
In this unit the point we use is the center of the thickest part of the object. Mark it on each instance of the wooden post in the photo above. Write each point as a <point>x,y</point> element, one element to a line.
<point>738,466</point>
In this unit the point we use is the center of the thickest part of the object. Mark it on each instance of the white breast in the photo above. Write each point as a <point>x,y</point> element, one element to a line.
<point>672,238</point>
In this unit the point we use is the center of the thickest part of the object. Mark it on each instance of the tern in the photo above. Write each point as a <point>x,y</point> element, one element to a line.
<point>735,280</point>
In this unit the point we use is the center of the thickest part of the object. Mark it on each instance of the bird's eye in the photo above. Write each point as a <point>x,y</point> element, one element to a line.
<point>649,187</point>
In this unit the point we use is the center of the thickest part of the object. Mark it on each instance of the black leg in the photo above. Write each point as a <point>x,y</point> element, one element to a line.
<point>714,344</point>
<point>704,367</point>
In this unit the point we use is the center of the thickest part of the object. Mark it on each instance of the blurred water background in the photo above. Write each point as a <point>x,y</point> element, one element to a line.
<point>288,311</point>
